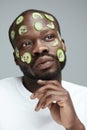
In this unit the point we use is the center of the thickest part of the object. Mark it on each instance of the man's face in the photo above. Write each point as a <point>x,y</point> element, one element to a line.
<point>38,47</point>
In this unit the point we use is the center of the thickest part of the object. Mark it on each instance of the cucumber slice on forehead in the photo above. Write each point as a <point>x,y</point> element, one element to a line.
<point>38,26</point>
<point>36,15</point>
<point>19,20</point>
<point>49,17</point>
<point>22,29</point>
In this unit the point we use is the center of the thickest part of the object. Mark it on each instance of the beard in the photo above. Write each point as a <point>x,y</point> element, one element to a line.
<point>44,74</point>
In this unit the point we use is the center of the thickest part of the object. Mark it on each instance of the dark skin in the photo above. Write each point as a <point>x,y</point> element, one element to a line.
<point>35,74</point>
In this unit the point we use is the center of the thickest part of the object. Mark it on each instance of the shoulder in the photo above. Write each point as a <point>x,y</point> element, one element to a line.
<point>74,89</point>
<point>9,82</point>
<point>8,88</point>
<point>72,86</point>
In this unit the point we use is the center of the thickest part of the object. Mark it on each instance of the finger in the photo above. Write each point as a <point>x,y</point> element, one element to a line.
<point>49,98</point>
<point>36,95</point>
<point>38,106</point>
<point>47,86</point>
<point>44,82</point>
<point>43,90</point>
<point>40,92</point>
<point>47,103</point>
<point>41,103</point>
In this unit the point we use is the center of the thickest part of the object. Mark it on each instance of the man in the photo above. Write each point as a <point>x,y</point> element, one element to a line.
<point>40,52</point>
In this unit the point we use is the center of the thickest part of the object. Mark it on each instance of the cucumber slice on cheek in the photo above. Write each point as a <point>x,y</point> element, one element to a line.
<point>26,57</point>
<point>60,55</point>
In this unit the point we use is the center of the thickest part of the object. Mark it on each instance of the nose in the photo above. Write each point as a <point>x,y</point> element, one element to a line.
<point>40,48</point>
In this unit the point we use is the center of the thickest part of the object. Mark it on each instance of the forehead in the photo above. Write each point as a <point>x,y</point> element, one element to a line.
<point>34,20</point>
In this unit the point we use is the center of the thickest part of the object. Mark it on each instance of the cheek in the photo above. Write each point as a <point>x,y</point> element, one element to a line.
<point>24,57</point>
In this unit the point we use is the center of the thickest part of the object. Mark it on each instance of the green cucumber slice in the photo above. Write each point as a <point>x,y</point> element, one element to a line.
<point>38,26</point>
<point>17,52</point>
<point>51,25</point>
<point>12,35</point>
<point>60,55</point>
<point>19,20</point>
<point>36,15</point>
<point>22,29</point>
<point>49,17</point>
<point>55,43</point>
<point>26,57</point>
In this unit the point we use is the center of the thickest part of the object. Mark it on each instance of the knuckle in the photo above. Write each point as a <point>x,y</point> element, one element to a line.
<point>50,97</point>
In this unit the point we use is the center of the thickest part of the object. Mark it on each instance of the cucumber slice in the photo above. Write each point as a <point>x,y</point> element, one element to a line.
<point>12,35</point>
<point>26,57</point>
<point>38,26</point>
<point>49,17</point>
<point>22,29</point>
<point>51,25</point>
<point>19,20</point>
<point>37,15</point>
<point>55,43</point>
<point>60,55</point>
<point>17,52</point>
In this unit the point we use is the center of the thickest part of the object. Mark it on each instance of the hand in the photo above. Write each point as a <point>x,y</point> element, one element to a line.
<point>62,110</point>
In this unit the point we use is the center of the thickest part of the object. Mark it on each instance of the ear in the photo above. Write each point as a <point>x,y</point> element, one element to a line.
<point>63,45</point>
<point>15,59</point>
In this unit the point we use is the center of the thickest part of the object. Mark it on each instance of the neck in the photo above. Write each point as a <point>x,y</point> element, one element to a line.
<point>32,85</point>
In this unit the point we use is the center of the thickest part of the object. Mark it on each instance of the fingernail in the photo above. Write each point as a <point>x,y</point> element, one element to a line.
<point>36,108</point>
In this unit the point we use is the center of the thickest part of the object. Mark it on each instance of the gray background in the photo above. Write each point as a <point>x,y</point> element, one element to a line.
<point>72,16</point>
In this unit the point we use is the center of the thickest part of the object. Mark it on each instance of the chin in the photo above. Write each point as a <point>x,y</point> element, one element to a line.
<point>48,75</point>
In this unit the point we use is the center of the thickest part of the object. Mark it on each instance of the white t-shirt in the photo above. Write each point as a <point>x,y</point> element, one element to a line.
<point>17,109</point>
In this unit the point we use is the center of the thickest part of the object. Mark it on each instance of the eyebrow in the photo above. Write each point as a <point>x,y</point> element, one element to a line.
<point>42,32</point>
<point>46,31</point>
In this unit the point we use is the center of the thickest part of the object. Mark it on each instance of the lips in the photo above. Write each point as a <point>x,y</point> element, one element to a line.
<point>43,62</point>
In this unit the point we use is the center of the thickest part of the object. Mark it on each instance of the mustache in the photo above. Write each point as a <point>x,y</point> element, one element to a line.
<point>41,55</point>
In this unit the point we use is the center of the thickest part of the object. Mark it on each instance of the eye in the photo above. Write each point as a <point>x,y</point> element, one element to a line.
<point>27,44</point>
<point>49,37</point>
